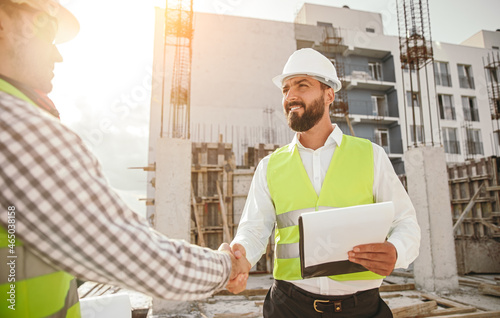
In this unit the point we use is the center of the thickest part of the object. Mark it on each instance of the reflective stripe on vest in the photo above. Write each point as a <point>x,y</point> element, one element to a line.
<point>348,182</point>
<point>37,289</point>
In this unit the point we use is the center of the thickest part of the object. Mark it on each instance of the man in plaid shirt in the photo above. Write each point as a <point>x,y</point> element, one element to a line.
<point>59,217</point>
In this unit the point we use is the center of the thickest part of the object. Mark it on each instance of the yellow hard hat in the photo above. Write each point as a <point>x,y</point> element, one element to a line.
<point>67,24</point>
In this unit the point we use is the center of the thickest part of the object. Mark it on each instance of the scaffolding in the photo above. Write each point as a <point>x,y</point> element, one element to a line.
<point>333,47</point>
<point>179,37</point>
<point>416,54</point>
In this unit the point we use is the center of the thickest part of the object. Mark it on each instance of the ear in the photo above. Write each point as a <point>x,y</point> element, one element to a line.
<point>329,96</point>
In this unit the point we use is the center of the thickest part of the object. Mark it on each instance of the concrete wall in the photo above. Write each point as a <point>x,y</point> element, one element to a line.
<point>453,55</point>
<point>476,40</point>
<point>389,68</point>
<point>484,39</point>
<point>392,103</point>
<point>340,17</point>
<point>477,256</point>
<point>395,139</point>
<point>234,60</point>
<point>491,39</point>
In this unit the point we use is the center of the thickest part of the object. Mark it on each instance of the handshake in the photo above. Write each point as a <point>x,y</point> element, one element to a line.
<point>239,269</point>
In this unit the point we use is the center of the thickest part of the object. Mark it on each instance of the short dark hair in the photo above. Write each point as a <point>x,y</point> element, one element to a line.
<point>323,86</point>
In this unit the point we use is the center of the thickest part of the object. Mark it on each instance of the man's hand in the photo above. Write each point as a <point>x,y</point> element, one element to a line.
<point>239,269</point>
<point>379,258</point>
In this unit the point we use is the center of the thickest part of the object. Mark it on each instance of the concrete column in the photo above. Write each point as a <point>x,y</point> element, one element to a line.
<point>173,203</point>
<point>435,268</point>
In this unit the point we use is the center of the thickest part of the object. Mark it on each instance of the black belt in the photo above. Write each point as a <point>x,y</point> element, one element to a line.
<point>320,303</point>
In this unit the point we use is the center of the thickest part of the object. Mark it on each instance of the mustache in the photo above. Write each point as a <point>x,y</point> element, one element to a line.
<point>295,103</point>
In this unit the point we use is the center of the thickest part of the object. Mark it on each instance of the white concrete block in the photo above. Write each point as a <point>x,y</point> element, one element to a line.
<point>173,202</point>
<point>436,267</point>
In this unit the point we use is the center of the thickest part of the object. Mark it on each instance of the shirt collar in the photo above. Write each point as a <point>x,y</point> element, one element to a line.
<point>334,138</point>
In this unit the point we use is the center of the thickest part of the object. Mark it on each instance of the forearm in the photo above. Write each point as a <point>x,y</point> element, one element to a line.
<point>258,217</point>
<point>67,214</point>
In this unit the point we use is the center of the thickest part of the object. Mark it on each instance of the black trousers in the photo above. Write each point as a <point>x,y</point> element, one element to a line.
<point>285,300</point>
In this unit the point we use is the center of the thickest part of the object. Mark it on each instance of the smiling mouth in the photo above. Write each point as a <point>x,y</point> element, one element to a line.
<point>291,109</point>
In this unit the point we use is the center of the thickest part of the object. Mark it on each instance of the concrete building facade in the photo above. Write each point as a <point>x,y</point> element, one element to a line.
<point>234,100</point>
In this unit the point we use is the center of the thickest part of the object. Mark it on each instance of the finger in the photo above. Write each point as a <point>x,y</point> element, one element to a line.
<point>238,250</point>
<point>379,267</point>
<point>224,247</point>
<point>238,284</point>
<point>372,256</point>
<point>369,248</point>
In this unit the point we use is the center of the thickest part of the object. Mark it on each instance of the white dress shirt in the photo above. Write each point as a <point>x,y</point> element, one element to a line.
<point>259,215</point>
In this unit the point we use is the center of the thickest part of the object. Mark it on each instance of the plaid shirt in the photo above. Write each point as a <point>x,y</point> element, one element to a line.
<point>68,215</point>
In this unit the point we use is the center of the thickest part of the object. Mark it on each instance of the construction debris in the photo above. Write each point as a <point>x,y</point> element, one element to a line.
<point>398,291</point>
<point>489,289</point>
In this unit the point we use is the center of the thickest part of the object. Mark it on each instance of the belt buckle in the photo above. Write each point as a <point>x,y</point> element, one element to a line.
<point>319,301</point>
<point>337,305</point>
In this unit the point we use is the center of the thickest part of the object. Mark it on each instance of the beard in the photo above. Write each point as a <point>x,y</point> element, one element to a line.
<point>311,116</point>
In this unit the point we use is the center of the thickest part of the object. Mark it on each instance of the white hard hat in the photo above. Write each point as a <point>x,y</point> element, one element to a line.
<point>67,24</point>
<point>312,63</point>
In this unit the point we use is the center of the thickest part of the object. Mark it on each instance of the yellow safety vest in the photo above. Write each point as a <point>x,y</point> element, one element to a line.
<point>30,287</point>
<point>348,182</point>
<point>27,283</point>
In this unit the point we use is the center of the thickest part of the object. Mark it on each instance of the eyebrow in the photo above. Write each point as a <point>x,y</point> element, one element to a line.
<point>297,83</point>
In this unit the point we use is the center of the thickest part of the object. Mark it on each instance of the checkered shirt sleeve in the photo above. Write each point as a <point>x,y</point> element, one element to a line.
<point>68,215</point>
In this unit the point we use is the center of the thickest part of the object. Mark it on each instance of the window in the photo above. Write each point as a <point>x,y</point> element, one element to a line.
<point>375,71</point>
<point>441,74</point>
<point>465,76</point>
<point>446,108</point>
<point>379,105</point>
<point>412,99</point>
<point>382,139</point>
<point>469,105</point>
<point>406,68</point>
<point>474,142</point>
<point>450,140</point>
<point>370,30</point>
<point>418,129</point>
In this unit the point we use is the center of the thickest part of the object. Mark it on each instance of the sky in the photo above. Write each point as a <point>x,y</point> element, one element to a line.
<point>102,89</point>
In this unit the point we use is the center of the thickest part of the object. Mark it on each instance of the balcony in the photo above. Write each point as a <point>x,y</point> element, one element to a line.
<point>363,77</point>
<point>466,82</point>
<point>368,112</point>
<point>372,53</point>
<point>442,79</point>
<point>474,147</point>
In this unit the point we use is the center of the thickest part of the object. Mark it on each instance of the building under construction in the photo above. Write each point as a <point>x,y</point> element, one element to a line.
<point>401,92</point>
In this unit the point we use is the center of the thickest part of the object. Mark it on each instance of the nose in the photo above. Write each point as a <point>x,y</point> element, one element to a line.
<point>290,95</point>
<point>57,55</point>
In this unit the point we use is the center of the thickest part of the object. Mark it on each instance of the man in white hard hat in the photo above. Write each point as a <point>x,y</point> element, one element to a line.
<point>322,167</point>
<point>59,218</point>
